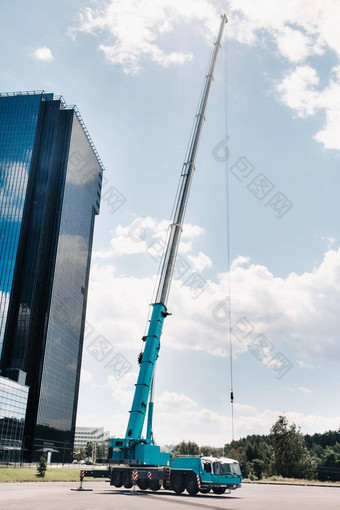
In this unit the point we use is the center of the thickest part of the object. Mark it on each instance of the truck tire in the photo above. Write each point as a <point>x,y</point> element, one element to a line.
<point>154,485</point>
<point>191,484</point>
<point>177,483</point>
<point>127,480</point>
<point>219,490</point>
<point>143,484</point>
<point>117,478</point>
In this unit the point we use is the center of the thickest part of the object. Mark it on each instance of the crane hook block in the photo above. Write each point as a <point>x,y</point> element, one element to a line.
<point>232,397</point>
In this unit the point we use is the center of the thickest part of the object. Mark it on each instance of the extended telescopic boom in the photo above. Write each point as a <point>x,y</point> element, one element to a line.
<point>186,178</point>
<point>152,340</point>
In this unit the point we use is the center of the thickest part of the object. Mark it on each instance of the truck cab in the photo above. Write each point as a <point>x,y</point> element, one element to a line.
<point>230,466</point>
<point>213,473</point>
<point>220,474</point>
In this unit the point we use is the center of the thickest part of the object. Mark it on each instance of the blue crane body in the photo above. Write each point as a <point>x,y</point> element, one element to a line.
<point>133,453</point>
<point>133,448</point>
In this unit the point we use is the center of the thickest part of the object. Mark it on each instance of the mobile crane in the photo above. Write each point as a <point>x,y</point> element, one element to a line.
<point>138,459</point>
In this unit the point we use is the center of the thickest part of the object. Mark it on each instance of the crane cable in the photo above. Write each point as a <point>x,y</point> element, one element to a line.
<point>228,240</point>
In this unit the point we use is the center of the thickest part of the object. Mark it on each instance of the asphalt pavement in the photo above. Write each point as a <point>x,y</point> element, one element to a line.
<point>59,496</point>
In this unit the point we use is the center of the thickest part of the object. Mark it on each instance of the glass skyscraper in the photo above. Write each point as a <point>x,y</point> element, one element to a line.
<point>50,187</point>
<point>13,402</point>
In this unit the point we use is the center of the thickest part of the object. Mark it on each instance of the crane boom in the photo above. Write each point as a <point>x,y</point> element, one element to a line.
<point>131,448</point>
<point>186,178</point>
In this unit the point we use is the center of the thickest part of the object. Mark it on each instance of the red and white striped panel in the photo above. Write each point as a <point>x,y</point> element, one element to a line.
<point>135,476</point>
<point>149,475</point>
<point>198,481</point>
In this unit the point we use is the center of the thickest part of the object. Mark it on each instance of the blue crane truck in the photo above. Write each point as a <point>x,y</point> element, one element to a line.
<point>193,474</point>
<point>135,459</point>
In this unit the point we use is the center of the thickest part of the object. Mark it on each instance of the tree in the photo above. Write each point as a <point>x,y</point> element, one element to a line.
<point>79,454</point>
<point>212,451</point>
<point>89,449</point>
<point>102,450</point>
<point>291,458</point>
<point>257,468</point>
<point>41,467</point>
<point>331,456</point>
<point>186,448</point>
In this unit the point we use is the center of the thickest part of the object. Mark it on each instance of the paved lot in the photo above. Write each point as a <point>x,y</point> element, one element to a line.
<point>58,496</point>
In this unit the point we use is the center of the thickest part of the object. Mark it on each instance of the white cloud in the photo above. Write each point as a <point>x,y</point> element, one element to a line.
<point>112,420</point>
<point>135,29</point>
<point>294,45</point>
<point>303,364</point>
<point>122,389</point>
<point>206,426</point>
<point>239,261</point>
<point>299,310</point>
<point>298,28</point>
<point>43,53</point>
<point>200,262</point>
<point>315,32</point>
<point>299,90</point>
<point>85,376</point>
<point>314,25</point>
<point>260,422</point>
<point>192,231</point>
<point>296,92</point>
<point>330,241</point>
<point>178,416</point>
<point>4,303</point>
<point>12,194</point>
<point>304,390</point>
<point>146,235</point>
<point>171,402</point>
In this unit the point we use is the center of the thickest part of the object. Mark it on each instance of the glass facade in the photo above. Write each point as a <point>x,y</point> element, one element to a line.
<point>13,402</point>
<point>46,312</point>
<point>64,338</point>
<point>18,124</point>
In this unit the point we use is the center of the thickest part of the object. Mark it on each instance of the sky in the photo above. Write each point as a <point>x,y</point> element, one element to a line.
<point>263,221</point>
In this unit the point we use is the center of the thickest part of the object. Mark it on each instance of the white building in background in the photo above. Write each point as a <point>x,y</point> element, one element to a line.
<point>85,435</point>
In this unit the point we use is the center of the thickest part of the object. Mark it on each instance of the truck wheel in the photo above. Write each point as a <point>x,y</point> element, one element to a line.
<point>166,485</point>
<point>154,485</point>
<point>191,484</point>
<point>219,490</point>
<point>143,484</point>
<point>177,483</point>
<point>205,491</point>
<point>117,479</point>
<point>127,480</point>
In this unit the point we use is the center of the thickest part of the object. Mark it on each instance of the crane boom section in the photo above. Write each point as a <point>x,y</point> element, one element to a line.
<point>159,312</point>
<point>186,178</point>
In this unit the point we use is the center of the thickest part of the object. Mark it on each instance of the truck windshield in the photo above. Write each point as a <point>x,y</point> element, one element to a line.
<point>231,469</point>
<point>226,469</point>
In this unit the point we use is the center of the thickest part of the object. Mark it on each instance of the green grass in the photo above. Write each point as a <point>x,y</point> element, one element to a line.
<point>27,474</point>
<point>292,481</point>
